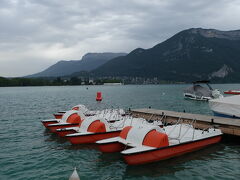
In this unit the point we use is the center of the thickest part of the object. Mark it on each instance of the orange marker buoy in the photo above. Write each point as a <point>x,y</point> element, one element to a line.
<point>99,96</point>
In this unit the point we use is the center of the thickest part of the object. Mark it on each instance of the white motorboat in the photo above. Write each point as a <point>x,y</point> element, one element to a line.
<point>201,93</point>
<point>226,107</point>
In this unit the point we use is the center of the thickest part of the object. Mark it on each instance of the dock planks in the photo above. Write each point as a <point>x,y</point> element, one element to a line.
<point>227,125</point>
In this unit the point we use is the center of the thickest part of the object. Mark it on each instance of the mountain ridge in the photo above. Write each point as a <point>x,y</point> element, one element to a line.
<point>88,62</point>
<point>191,54</point>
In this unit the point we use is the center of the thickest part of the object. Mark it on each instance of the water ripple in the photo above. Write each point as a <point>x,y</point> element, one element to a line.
<point>30,152</point>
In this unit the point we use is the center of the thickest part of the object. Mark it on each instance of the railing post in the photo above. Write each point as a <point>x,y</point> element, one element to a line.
<point>212,121</point>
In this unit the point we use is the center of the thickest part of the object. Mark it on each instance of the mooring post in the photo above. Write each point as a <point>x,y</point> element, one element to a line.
<point>212,121</point>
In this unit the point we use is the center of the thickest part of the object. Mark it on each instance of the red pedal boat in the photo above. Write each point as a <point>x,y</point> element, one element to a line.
<point>68,116</point>
<point>92,130</point>
<point>71,118</point>
<point>110,115</point>
<point>86,111</point>
<point>96,129</point>
<point>140,145</point>
<point>79,107</point>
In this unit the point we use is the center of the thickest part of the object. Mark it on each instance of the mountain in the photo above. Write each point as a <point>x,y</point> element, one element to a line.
<point>88,62</point>
<point>192,54</point>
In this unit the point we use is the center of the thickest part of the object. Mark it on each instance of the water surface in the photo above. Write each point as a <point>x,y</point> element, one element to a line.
<point>28,151</point>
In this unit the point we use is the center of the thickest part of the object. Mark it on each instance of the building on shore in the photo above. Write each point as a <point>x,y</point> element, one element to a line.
<point>113,84</point>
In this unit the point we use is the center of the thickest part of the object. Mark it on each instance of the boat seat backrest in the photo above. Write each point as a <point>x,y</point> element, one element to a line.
<point>155,139</point>
<point>137,134</point>
<point>89,120</point>
<point>67,114</point>
<point>103,120</point>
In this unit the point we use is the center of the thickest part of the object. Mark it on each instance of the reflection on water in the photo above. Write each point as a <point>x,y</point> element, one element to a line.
<point>81,146</point>
<point>171,166</point>
<point>107,158</point>
<point>49,136</point>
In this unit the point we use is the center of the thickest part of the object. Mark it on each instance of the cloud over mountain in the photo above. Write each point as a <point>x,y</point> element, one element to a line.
<point>35,34</point>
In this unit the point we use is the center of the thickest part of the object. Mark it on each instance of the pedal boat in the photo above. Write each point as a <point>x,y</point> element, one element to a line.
<point>87,112</point>
<point>146,144</point>
<point>83,112</point>
<point>79,107</point>
<point>110,115</point>
<point>71,118</point>
<point>96,129</point>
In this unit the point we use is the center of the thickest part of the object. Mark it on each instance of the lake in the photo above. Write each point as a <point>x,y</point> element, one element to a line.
<point>29,151</point>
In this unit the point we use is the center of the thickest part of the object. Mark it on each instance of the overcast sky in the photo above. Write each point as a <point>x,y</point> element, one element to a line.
<point>35,34</point>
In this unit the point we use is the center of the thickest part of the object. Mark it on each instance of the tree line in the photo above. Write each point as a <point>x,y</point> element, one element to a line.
<point>8,82</point>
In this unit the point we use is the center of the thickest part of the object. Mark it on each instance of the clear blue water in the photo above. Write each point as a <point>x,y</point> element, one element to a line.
<point>28,151</point>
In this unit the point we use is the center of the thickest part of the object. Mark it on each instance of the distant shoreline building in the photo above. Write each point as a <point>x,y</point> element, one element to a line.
<point>113,84</point>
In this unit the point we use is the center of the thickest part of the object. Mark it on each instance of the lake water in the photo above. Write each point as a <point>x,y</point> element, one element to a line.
<point>28,151</point>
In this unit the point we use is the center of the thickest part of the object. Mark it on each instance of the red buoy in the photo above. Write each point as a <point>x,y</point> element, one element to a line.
<point>99,96</point>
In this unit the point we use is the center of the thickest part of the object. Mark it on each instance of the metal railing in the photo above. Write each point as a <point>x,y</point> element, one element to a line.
<point>181,122</point>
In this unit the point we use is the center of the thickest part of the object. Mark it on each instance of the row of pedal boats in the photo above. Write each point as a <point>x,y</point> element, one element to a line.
<point>139,140</point>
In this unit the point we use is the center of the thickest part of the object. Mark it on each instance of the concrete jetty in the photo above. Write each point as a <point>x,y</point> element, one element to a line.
<point>229,126</point>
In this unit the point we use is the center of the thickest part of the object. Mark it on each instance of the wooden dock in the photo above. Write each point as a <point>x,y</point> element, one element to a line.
<point>229,126</point>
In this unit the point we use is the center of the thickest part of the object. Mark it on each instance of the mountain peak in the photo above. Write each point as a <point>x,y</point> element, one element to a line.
<point>213,33</point>
<point>137,51</point>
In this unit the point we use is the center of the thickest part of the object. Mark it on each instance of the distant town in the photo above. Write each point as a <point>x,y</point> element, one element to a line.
<point>68,81</point>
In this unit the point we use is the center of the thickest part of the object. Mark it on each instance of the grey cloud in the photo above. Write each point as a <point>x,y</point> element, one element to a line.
<point>36,33</point>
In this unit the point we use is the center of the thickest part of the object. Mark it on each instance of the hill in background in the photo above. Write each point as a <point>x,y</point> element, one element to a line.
<point>192,54</point>
<point>189,55</point>
<point>88,62</point>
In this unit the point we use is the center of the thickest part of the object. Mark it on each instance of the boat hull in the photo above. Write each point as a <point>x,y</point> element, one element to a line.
<point>224,115</point>
<point>58,115</point>
<point>92,138</point>
<point>64,132</point>
<point>61,126</point>
<point>111,147</point>
<point>197,98</point>
<point>232,92</point>
<point>46,123</point>
<point>168,152</point>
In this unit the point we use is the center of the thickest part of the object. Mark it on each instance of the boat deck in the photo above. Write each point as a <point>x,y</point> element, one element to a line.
<point>227,125</point>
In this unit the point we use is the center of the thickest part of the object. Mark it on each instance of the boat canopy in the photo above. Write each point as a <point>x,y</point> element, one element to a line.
<point>199,90</point>
<point>227,105</point>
